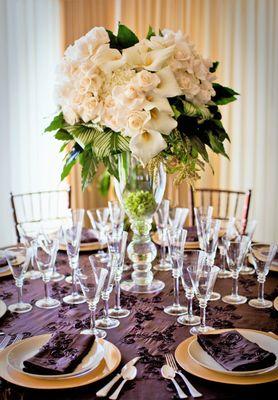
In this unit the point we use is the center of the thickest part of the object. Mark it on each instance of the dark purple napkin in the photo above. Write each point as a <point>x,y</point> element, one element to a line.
<point>60,355</point>
<point>88,236</point>
<point>3,262</point>
<point>191,234</point>
<point>235,353</point>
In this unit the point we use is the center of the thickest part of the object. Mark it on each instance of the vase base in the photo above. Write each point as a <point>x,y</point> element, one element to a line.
<point>131,287</point>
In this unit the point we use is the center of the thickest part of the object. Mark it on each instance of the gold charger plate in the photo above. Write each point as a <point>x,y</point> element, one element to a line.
<point>86,246</point>
<point>275,303</point>
<point>188,245</point>
<point>97,374</point>
<point>185,361</point>
<point>5,273</point>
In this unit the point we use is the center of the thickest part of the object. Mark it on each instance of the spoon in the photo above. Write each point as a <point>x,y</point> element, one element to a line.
<point>168,373</point>
<point>128,374</point>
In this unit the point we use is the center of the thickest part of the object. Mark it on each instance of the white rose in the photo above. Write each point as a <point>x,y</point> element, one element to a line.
<point>84,85</point>
<point>136,121</point>
<point>90,109</point>
<point>98,36</point>
<point>146,81</point>
<point>126,96</point>
<point>70,115</point>
<point>188,84</point>
<point>200,70</point>
<point>79,50</point>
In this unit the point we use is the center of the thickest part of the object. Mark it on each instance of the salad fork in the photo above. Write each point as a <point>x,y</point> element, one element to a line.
<point>170,360</point>
<point>4,343</point>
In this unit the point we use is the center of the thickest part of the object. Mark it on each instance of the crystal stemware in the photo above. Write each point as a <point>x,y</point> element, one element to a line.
<point>190,257</point>
<point>202,215</point>
<point>236,252</point>
<point>72,236</point>
<point>18,259</point>
<point>223,242</point>
<point>176,239</point>
<point>263,256</point>
<point>106,322</point>
<point>117,214</point>
<point>91,281</point>
<point>247,229</point>
<point>99,221</point>
<point>45,252</point>
<point>26,238</point>
<point>161,219</point>
<point>177,217</point>
<point>117,246</point>
<point>203,278</point>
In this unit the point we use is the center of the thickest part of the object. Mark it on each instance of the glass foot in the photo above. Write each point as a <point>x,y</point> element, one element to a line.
<point>234,299</point>
<point>127,267</point>
<point>215,296</point>
<point>68,279</point>
<point>97,332</point>
<point>107,323</point>
<point>74,299</point>
<point>247,271</point>
<point>20,308</point>
<point>187,320</point>
<point>56,277</point>
<point>131,287</point>
<point>118,313</point>
<point>196,330</point>
<point>32,275</point>
<point>175,310</point>
<point>257,303</point>
<point>223,274</point>
<point>47,303</point>
<point>162,267</point>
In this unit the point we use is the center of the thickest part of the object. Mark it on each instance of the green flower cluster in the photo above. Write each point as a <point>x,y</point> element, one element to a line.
<point>139,204</point>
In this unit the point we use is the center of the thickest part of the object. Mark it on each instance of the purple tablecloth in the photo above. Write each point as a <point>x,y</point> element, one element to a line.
<point>147,332</point>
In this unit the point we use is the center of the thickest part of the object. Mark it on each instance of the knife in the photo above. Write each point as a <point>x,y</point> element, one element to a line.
<point>104,391</point>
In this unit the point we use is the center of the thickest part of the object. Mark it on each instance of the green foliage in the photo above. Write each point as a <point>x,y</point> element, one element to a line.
<point>57,123</point>
<point>140,204</point>
<point>150,33</point>
<point>71,160</point>
<point>224,95</point>
<point>214,66</point>
<point>126,38</point>
<point>104,183</point>
<point>89,163</point>
<point>62,134</point>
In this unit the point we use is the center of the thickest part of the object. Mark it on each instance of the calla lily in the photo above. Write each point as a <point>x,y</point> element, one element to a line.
<point>135,55</point>
<point>147,145</point>
<point>161,103</point>
<point>156,59</point>
<point>161,122</point>
<point>168,86</point>
<point>108,59</point>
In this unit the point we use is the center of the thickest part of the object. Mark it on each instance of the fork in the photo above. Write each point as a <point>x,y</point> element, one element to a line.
<point>172,363</point>
<point>7,339</point>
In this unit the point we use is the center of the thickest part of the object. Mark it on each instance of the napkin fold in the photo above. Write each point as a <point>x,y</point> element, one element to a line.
<point>88,236</point>
<point>236,353</point>
<point>60,355</point>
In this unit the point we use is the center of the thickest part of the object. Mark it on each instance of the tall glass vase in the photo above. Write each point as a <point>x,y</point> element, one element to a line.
<point>140,191</point>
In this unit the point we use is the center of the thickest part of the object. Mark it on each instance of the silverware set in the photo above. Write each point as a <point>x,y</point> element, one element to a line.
<point>4,343</point>
<point>169,371</point>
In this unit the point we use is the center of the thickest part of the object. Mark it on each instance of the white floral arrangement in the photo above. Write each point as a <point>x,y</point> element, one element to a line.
<point>156,98</point>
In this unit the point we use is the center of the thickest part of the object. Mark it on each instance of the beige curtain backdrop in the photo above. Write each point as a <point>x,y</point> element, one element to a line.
<point>243,36</point>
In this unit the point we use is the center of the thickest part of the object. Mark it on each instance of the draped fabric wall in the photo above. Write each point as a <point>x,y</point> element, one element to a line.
<point>243,36</point>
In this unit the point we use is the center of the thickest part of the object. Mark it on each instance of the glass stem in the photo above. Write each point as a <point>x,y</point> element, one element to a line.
<point>203,307</point>
<point>92,317</point>
<point>261,290</point>
<point>46,289</point>
<point>117,295</point>
<point>190,306</point>
<point>223,262</point>
<point>106,306</point>
<point>176,291</point>
<point>74,286</point>
<point>235,284</point>
<point>19,293</point>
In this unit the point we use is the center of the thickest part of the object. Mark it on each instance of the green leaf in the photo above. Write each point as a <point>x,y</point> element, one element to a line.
<point>114,44</point>
<point>216,145</point>
<point>62,134</point>
<point>84,134</point>
<point>177,113</point>
<point>126,38</point>
<point>200,146</point>
<point>64,145</point>
<point>89,163</point>
<point>104,183</point>
<point>224,95</point>
<point>150,33</point>
<point>111,164</point>
<point>214,66</point>
<point>192,110</point>
<point>71,160</point>
<point>57,123</point>
<point>109,142</point>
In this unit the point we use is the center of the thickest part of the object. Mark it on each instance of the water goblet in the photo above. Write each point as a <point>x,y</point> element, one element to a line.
<point>18,259</point>
<point>203,278</point>
<point>161,219</point>
<point>106,322</point>
<point>99,221</point>
<point>223,243</point>
<point>45,252</point>
<point>176,239</point>
<point>247,229</point>
<point>190,257</point>
<point>263,256</point>
<point>117,248</point>
<point>72,229</point>
<point>91,281</point>
<point>236,252</point>
<point>26,238</point>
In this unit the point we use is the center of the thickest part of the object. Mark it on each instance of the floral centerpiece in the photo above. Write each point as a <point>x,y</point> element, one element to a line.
<point>150,104</point>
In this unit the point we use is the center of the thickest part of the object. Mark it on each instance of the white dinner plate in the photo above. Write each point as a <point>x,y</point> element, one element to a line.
<point>202,358</point>
<point>3,308</point>
<point>24,350</point>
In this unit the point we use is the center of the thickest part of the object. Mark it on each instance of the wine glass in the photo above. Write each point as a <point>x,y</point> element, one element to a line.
<point>190,257</point>
<point>53,232</point>
<point>117,214</point>
<point>72,229</point>
<point>223,242</point>
<point>176,239</point>
<point>263,256</point>
<point>26,238</point>
<point>91,281</point>
<point>117,246</point>
<point>161,219</point>
<point>99,221</point>
<point>45,252</point>
<point>106,322</point>
<point>247,229</point>
<point>177,217</point>
<point>203,278</point>
<point>18,259</point>
<point>202,216</point>
<point>236,252</point>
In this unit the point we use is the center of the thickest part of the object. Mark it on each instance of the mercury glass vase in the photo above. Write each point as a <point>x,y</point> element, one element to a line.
<point>140,191</point>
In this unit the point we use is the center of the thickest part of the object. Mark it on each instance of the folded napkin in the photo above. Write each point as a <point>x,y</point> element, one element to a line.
<point>3,262</point>
<point>236,353</point>
<point>191,234</point>
<point>88,236</point>
<point>60,355</point>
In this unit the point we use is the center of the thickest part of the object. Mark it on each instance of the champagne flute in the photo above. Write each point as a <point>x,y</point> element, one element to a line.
<point>263,256</point>
<point>161,218</point>
<point>203,278</point>
<point>223,242</point>
<point>45,252</point>
<point>18,259</point>
<point>99,221</point>
<point>53,232</point>
<point>176,239</point>
<point>247,229</point>
<point>91,281</point>
<point>26,238</point>
<point>117,215</point>
<point>236,252</point>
